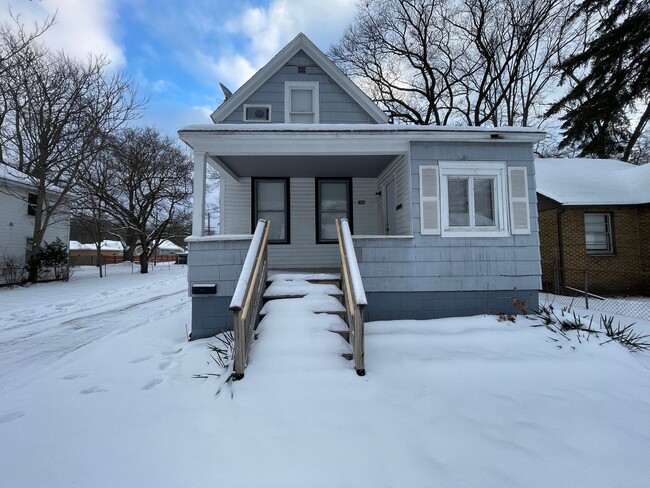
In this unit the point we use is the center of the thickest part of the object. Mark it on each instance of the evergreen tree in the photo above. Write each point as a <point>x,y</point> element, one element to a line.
<point>615,89</point>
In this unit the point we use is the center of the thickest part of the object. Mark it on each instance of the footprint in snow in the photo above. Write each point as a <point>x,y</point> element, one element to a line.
<point>152,384</point>
<point>164,365</point>
<point>93,389</point>
<point>8,417</point>
<point>74,376</point>
<point>139,360</point>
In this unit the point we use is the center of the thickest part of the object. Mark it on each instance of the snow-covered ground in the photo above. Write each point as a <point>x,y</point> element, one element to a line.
<point>96,389</point>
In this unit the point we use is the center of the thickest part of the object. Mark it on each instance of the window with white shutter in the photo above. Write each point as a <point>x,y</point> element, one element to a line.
<point>519,205</point>
<point>473,199</point>
<point>429,200</point>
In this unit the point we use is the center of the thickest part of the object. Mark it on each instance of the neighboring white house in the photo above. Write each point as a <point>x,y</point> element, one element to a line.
<point>17,200</point>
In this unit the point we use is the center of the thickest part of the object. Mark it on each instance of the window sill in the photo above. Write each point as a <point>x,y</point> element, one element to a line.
<point>475,233</point>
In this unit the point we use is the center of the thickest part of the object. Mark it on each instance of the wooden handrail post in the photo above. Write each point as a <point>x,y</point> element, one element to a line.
<point>354,294</point>
<point>247,296</point>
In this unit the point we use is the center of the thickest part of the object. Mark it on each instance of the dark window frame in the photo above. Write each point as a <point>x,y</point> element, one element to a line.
<point>348,181</point>
<point>32,201</point>
<point>610,234</point>
<point>287,208</point>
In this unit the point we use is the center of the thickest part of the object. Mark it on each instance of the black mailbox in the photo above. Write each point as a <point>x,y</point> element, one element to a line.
<point>204,289</point>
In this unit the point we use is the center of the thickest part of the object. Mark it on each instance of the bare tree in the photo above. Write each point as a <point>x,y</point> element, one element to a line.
<point>471,62</point>
<point>146,188</point>
<point>60,111</point>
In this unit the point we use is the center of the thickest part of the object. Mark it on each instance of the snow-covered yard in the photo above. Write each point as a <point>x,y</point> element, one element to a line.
<point>96,389</point>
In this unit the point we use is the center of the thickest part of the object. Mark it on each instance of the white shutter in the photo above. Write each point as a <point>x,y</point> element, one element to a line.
<point>429,200</point>
<point>518,197</point>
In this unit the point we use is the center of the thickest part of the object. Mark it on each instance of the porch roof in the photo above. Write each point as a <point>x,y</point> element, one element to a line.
<point>304,150</point>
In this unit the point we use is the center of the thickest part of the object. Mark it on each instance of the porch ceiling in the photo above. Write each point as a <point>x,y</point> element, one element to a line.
<point>304,166</point>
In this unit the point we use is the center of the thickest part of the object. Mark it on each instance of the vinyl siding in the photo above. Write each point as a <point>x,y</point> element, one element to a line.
<point>399,171</point>
<point>435,263</point>
<point>16,226</point>
<point>336,106</point>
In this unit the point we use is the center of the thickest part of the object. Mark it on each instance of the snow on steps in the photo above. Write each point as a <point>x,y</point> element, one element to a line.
<point>297,299</point>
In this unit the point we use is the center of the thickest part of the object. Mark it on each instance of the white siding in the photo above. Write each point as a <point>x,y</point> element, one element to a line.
<point>236,205</point>
<point>364,215</point>
<point>16,226</point>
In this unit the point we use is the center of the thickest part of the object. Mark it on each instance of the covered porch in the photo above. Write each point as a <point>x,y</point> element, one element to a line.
<point>301,180</point>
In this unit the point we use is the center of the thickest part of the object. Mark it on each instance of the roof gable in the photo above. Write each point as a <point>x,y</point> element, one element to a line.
<point>300,42</point>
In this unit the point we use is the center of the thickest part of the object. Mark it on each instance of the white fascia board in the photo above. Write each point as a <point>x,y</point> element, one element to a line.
<point>267,142</point>
<point>300,42</point>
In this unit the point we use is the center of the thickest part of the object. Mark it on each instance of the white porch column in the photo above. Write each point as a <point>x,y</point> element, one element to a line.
<point>198,207</point>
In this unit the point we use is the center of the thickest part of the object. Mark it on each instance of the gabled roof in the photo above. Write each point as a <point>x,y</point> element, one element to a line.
<point>11,175</point>
<point>300,42</point>
<point>582,181</point>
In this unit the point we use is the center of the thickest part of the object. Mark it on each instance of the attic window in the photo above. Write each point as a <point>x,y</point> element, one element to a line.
<point>257,113</point>
<point>302,69</point>
<point>301,102</point>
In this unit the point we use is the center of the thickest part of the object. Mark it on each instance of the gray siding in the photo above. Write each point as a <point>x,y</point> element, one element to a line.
<point>220,262</point>
<point>399,171</point>
<point>435,263</point>
<point>434,305</point>
<point>336,106</point>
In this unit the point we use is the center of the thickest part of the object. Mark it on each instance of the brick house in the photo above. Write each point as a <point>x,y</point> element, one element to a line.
<point>594,221</point>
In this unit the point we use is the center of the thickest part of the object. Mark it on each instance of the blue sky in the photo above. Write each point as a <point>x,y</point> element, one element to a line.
<point>179,50</point>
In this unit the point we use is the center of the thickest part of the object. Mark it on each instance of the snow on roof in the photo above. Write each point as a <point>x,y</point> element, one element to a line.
<point>353,128</point>
<point>167,245</point>
<point>10,174</point>
<point>105,246</point>
<point>582,181</point>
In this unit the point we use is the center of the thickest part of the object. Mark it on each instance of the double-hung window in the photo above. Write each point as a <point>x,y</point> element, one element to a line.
<point>473,199</point>
<point>301,102</point>
<point>32,202</point>
<point>271,202</point>
<point>598,233</point>
<point>333,201</point>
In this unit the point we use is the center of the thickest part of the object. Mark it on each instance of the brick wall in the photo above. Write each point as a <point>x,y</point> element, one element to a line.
<point>617,273</point>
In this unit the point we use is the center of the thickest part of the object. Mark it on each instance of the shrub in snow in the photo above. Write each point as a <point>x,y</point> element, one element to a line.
<point>223,356</point>
<point>54,257</point>
<point>624,335</point>
<point>13,269</point>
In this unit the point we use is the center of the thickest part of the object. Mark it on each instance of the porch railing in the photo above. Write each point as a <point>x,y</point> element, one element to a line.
<point>248,295</point>
<point>353,292</point>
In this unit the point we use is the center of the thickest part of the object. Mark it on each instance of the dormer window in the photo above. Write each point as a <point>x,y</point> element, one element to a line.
<point>301,102</point>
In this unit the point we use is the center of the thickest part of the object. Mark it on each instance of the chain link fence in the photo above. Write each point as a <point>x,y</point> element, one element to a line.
<point>614,292</point>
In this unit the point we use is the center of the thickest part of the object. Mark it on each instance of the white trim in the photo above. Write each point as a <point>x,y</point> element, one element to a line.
<point>256,121</point>
<point>300,42</point>
<point>315,99</point>
<point>497,170</point>
<point>514,200</point>
<point>285,139</point>
<point>430,199</point>
<point>198,201</point>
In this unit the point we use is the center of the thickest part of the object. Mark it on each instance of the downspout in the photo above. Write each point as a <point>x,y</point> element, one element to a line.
<point>560,243</point>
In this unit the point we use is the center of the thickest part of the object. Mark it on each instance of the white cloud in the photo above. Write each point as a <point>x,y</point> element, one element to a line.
<point>269,28</point>
<point>81,26</point>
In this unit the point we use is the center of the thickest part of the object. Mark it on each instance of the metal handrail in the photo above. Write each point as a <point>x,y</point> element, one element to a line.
<point>248,295</point>
<point>354,294</point>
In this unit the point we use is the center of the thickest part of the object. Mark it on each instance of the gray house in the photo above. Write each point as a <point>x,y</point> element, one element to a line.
<point>444,219</point>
